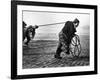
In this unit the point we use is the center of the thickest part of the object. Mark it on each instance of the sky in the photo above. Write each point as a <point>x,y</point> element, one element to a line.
<point>41,18</point>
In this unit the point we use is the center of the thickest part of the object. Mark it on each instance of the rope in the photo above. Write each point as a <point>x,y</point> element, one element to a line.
<point>52,24</point>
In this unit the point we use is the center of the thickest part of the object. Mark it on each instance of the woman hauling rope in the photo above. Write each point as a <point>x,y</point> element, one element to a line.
<point>65,37</point>
<point>27,31</point>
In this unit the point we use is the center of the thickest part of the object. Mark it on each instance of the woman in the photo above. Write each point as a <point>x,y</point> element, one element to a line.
<point>65,37</point>
<point>27,32</point>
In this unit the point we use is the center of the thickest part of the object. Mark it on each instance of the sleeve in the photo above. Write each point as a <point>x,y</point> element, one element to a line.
<point>72,30</point>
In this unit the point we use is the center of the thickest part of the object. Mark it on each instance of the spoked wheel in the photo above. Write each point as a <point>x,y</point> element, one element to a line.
<point>75,46</point>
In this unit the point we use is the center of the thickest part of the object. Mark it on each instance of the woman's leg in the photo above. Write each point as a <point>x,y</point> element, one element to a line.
<point>28,39</point>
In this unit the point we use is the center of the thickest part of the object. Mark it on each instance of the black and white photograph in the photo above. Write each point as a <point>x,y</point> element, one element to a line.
<point>55,39</point>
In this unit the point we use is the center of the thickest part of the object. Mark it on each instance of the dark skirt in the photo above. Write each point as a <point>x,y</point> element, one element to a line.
<point>64,40</point>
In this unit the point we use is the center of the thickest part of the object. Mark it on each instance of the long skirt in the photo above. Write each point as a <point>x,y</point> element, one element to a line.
<point>64,42</point>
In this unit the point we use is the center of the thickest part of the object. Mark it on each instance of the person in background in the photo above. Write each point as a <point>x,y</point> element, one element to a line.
<point>29,33</point>
<point>65,36</point>
<point>24,29</point>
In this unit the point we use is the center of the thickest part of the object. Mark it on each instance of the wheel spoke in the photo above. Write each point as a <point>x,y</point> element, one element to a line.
<point>77,50</point>
<point>76,40</point>
<point>75,46</point>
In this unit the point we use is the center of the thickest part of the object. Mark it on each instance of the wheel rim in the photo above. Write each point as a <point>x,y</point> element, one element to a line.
<point>75,46</point>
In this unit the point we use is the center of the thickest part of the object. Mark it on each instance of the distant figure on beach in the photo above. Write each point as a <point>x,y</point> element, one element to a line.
<point>65,36</point>
<point>28,32</point>
<point>24,29</point>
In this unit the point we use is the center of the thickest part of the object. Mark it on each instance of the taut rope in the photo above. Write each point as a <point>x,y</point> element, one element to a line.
<point>52,24</point>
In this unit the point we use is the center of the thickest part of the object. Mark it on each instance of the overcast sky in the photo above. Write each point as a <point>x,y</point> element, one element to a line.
<point>41,18</point>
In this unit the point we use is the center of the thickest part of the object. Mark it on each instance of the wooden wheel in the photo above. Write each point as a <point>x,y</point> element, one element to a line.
<point>75,46</point>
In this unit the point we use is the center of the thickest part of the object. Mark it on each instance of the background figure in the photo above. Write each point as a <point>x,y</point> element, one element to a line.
<point>65,37</point>
<point>24,29</point>
<point>29,33</point>
<point>24,25</point>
